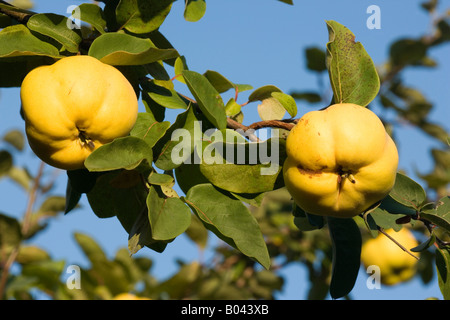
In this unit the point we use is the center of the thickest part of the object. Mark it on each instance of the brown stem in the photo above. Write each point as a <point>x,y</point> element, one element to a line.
<point>28,213</point>
<point>20,16</point>
<point>272,124</point>
<point>232,124</point>
<point>397,243</point>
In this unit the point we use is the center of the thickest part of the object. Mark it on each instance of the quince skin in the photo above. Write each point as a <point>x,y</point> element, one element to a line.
<point>340,161</point>
<point>74,106</point>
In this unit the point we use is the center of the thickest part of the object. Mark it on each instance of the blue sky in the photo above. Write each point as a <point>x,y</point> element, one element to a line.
<point>256,42</point>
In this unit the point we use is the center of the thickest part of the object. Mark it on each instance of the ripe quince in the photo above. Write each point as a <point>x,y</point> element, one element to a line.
<point>340,161</point>
<point>73,107</point>
<point>128,296</point>
<point>395,265</point>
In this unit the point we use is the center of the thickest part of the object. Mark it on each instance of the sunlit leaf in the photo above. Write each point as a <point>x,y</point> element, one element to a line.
<point>124,49</point>
<point>353,76</point>
<point>55,26</point>
<point>230,220</point>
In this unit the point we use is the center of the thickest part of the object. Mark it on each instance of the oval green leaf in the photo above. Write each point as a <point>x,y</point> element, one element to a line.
<point>123,49</point>
<point>346,261</point>
<point>353,76</point>
<point>18,41</point>
<point>207,97</point>
<point>92,14</point>
<point>122,153</point>
<point>169,216</point>
<point>194,10</point>
<point>408,192</point>
<point>230,220</point>
<point>57,27</point>
<point>142,16</point>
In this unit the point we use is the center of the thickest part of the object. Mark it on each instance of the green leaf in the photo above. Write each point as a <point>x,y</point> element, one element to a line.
<point>311,97</point>
<point>194,10</point>
<point>179,66</point>
<point>123,49</point>
<point>90,248</point>
<point>148,129</point>
<point>440,215</point>
<point>72,197</point>
<point>17,40</point>
<point>291,2</point>
<point>443,271</point>
<point>142,16</point>
<point>15,138</point>
<point>315,59</point>
<point>189,175</point>
<point>385,219</point>
<point>222,84</point>
<point>262,93</point>
<point>109,273</point>
<point>287,102</point>
<point>302,220</point>
<point>271,109</point>
<point>237,167</point>
<point>82,180</point>
<point>6,162</point>
<point>140,235</point>
<point>169,217</point>
<point>118,193</point>
<point>346,242</point>
<point>425,245</point>
<point>353,76</point>
<point>390,205</point>
<point>408,192</point>
<point>160,179</point>
<point>15,69</point>
<point>187,123</point>
<point>55,26</point>
<point>207,97</point>
<point>230,220</point>
<point>47,271</point>
<point>166,97</point>
<point>232,108</point>
<point>122,153</point>
<point>10,232</point>
<point>407,51</point>
<point>92,14</point>
<point>274,103</point>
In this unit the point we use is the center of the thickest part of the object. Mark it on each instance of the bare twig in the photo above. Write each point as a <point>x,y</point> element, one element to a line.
<point>32,198</point>
<point>21,16</point>
<point>25,228</point>
<point>397,243</point>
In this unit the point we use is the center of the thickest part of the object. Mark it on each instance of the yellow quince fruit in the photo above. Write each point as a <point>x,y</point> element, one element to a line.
<point>340,161</point>
<point>74,106</point>
<point>395,265</point>
<point>128,296</point>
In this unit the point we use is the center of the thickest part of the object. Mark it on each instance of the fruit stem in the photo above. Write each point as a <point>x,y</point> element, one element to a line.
<point>85,140</point>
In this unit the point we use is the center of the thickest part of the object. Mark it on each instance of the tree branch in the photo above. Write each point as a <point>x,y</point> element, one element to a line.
<point>25,228</point>
<point>397,243</point>
<point>21,16</point>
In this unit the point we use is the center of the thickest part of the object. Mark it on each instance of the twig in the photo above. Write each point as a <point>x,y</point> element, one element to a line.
<point>6,267</point>
<point>20,16</point>
<point>25,228</point>
<point>397,243</point>
<point>233,124</point>
<point>27,217</point>
<point>287,125</point>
